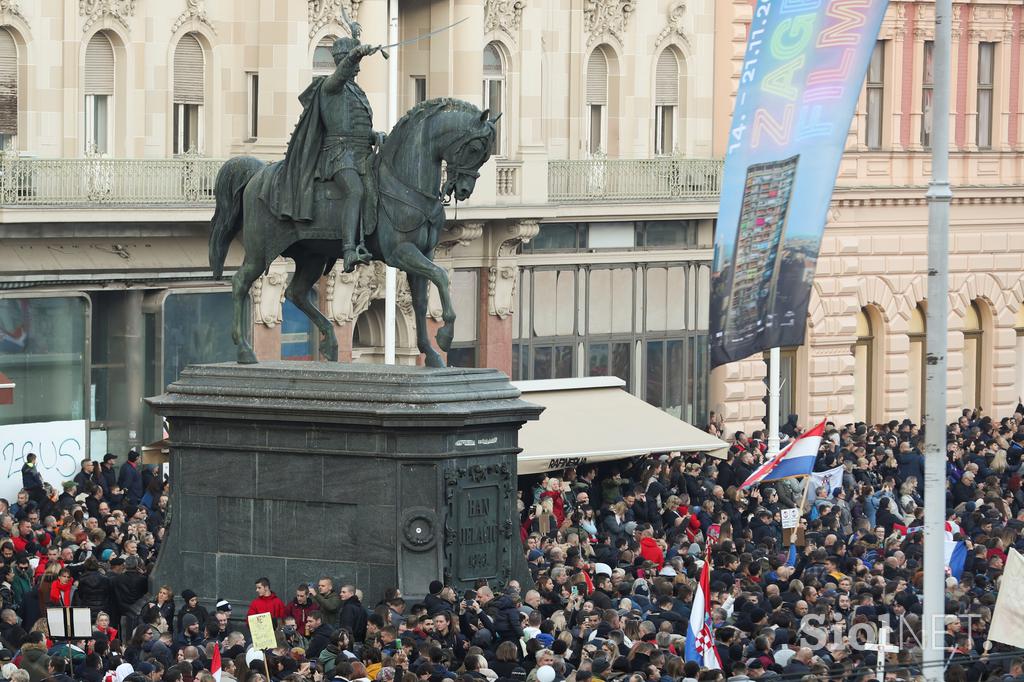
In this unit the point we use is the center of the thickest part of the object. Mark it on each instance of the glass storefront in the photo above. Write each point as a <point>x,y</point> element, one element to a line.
<point>43,351</point>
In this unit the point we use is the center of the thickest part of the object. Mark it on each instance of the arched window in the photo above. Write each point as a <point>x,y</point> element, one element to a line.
<point>916,335</point>
<point>866,355</point>
<point>8,89</point>
<point>323,60</point>
<point>666,102</point>
<point>494,90</point>
<point>597,101</point>
<point>98,86</point>
<point>189,94</point>
<point>974,340</point>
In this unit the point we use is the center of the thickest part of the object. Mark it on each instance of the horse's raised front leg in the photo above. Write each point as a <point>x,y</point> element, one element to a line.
<point>308,270</point>
<point>420,301</point>
<point>240,285</point>
<point>410,259</point>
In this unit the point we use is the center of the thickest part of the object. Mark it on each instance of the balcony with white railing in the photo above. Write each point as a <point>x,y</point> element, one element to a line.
<point>188,182</point>
<point>664,178</point>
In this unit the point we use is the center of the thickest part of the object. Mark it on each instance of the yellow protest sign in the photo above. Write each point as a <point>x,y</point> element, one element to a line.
<point>261,627</point>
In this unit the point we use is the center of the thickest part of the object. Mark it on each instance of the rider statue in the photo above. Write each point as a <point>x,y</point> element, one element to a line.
<point>332,145</point>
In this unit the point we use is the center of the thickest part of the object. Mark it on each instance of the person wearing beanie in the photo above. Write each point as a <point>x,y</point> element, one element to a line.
<point>434,602</point>
<point>192,608</point>
<point>130,478</point>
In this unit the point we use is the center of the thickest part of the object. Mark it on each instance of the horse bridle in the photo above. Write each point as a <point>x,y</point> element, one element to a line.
<point>454,170</point>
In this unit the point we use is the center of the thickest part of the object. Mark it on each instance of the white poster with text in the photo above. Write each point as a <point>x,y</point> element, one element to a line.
<point>59,446</point>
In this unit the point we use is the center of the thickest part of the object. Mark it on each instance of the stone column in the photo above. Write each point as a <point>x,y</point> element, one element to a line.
<point>267,298</point>
<point>498,285</point>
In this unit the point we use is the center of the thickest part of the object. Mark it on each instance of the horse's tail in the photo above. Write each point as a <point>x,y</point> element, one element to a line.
<point>232,178</point>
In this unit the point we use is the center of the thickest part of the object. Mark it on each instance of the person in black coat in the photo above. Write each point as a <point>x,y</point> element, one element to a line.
<point>191,606</point>
<point>130,478</point>
<point>353,615</point>
<point>93,588</point>
<point>319,634</point>
<point>505,616</point>
<point>128,589</point>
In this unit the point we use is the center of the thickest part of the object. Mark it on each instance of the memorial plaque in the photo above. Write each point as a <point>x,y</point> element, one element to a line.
<point>478,530</point>
<point>478,533</point>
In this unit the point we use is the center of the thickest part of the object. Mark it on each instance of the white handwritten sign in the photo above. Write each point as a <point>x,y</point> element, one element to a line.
<point>59,446</point>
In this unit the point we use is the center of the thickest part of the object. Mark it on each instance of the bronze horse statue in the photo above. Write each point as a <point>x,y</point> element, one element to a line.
<point>410,217</point>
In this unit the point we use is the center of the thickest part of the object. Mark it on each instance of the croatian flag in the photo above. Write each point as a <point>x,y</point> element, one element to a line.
<point>700,640</point>
<point>796,459</point>
<point>215,662</point>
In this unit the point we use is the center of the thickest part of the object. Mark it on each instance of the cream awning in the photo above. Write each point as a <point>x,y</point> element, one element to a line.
<point>595,420</point>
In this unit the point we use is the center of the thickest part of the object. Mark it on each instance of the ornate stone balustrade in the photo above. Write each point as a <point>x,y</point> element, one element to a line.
<point>666,178</point>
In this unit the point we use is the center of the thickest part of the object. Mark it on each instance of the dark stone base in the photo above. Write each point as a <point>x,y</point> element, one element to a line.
<point>378,476</point>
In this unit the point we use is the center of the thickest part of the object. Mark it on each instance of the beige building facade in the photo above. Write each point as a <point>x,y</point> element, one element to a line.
<point>585,249</point>
<point>863,358</point>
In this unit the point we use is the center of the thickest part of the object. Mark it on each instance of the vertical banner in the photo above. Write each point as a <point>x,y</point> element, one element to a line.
<point>801,77</point>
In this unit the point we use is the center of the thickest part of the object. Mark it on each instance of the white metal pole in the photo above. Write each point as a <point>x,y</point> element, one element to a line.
<point>774,356</point>
<point>390,274</point>
<point>939,197</point>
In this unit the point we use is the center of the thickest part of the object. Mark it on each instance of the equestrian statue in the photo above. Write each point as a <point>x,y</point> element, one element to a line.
<point>345,191</point>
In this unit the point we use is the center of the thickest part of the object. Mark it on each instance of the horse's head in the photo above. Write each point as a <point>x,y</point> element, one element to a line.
<point>466,153</point>
<point>444,129</point>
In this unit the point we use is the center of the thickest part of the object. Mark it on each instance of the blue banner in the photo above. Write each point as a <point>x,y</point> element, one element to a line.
<point>801,77</point>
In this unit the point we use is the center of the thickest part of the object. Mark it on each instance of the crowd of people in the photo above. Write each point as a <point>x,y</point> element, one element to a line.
<point>614,553</point>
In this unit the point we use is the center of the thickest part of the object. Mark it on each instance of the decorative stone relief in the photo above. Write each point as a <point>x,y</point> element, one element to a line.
<point>503,279</point>
<point>457,234</point>
<point>349,294</point>
<point>11,7</point>
<point>674,26</point>
<point>325,12</point>
<point>504,15</point>
<point>267,295</point>
<point>607,17</point>
<point>195,10</point>
<point>94,10</point>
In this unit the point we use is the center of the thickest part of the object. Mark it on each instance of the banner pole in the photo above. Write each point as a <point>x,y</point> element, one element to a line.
<point>774,356</point>
<point>939,197</point>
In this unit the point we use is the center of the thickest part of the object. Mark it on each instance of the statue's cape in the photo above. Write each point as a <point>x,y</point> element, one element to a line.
<point>291,191</point>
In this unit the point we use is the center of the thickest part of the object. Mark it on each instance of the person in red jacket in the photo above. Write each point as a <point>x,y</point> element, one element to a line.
<point>650,550</point>
<point>266,601</point>
<point>302,605</point>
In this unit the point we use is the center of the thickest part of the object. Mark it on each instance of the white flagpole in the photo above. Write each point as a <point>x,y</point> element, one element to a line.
<point>774,356</point>
<point>390,274</point>
<point>939,197</point>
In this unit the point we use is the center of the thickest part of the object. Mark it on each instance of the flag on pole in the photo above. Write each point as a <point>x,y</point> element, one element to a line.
<point>831,480</point>
<point>700,639</point>
<point>796,459</point>
<point>215,662</point>
<point>954,551</point>
<point>1008,617</point>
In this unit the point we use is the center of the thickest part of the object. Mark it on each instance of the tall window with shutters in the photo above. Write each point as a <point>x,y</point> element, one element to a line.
<point>494,91</point>
<point>597,101</point>
<point>323,60</point>
<point>666,102</point>
<point>876,96</point>
<point>8,90</point>
<point>189,95</point>
<point>986,82</point>
<point>98,86</point>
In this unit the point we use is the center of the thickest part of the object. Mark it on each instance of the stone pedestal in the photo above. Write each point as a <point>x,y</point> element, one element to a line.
<point>373,475</point>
